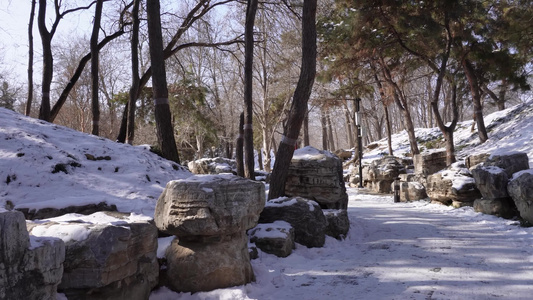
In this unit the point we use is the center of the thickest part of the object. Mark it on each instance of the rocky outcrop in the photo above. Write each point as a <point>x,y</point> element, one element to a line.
<point>338,223</point>
<point>454,184</point>
<point>317,175</point>
<point>475,159</point>
<point>217,165</point>
<point>304,215</point>
<point>210,215</point>
<point>381,173</point>
<point>412,191</point>
<point>51,212</point>
<point>428,163</point>
<point>30,267</point>
<point>274,238</point>
<point>520,189</point>
<point>108,255</point>
<point>492,177</point>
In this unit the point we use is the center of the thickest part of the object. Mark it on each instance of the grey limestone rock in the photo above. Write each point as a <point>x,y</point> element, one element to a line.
<point>304,215</point>
<point>520,188</point>
<point>275,238</point>
<point>209,205</point>
<point>317,175</point>
<point>338,223</point>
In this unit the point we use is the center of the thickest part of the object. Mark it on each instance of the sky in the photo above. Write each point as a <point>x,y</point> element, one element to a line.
<point>412,250</point>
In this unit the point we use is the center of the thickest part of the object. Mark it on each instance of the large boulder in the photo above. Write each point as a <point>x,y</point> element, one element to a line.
<point>491,181</point>
<point>208,263</point>
<point>412,191</point>
<point>30,267</point>
<point>428,163</point>
<point>210,215</point>
<point>520,188</point>
<point>338,223</point>
<point>275,238</point>
<point>109,255</point>
<point>492,178</point>
<point>304,215</point>
<point>317,175</point>
<point>380,174</point>
<point>209,205</point>
<point>454,184</point>
<point>217,165</point>
<point>475,159</point>
<point>510,163</point>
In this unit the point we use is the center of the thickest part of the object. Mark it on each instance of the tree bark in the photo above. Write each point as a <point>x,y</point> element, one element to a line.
<point>476,98</point>
<point>299,103</point>
<point>29,101</point>
<point>306,129</point>
<point>323,124</point>
<point>331,140</point>
<point>239,155</point>
<point>163,118</point>
<point>48,62</point>
<point>95,102</point>
<point>135,79</point>
<point>251,10</point>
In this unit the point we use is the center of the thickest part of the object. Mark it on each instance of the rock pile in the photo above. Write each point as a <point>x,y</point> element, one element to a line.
<point>381,173</point>
<point>454,185</point>
<point>209,216</point>
<point>492,177</point>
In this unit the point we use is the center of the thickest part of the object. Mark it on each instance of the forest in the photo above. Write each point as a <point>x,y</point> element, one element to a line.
<point>178,74</point>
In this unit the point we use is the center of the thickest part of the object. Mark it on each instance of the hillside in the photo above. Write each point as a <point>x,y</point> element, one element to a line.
<point>510,130</point>
<point>46,165</point>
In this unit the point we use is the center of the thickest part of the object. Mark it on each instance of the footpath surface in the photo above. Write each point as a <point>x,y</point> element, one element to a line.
<point>399,251</point>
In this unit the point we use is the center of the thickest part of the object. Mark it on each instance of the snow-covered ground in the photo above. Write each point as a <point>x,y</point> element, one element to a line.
<point>393,250</point>
<point>398,251</point>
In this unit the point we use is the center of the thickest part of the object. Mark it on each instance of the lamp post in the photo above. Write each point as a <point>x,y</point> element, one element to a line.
<point>359,133</point>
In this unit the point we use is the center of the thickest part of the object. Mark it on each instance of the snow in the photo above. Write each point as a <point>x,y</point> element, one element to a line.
<point>308,152</point>
<point>412,250</point>
<point>397,251</point>
<point>277,229</point>
<point>163,244</point>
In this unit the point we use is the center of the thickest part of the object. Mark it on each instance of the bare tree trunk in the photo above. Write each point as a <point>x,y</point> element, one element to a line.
<point>48,62</point>
<point>30,60</point>
<point>95,102</point>
<point>349,125</point>
<point>331,140</point>
<point>306,129</point>
<point>135,79</point>
<point>163,118</point>
<point>251,10</point>
<point>239,155</point>
<point>476,98</point>
<point>389,130</point>
<point>299,103</point>
<point>324,130</point>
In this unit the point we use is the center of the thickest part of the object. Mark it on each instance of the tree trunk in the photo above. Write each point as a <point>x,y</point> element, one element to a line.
<point>389,130</point>
<point>48,62</point>
<point>95,102</point>
<point>331,140</point>
<point>323,124</point>
<point>299,103</point>
<point>251,10</point>
<point>476,98</point>
<point>266,159</point>
<point>306,129</point>
<point>134,74</point>
<point>163,118</point>
<point>27,111</point>
<point>239,155</point>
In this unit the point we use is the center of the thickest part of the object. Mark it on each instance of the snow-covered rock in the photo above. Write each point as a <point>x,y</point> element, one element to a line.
<point>304,215</point>
<point>453,184</point>
<point>30,267</point>
<point>520,188</point>
<point>275,238</point>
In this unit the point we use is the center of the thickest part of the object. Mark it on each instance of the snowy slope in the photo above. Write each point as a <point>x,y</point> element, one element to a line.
<point>45,165</point>
<point>509,130</point>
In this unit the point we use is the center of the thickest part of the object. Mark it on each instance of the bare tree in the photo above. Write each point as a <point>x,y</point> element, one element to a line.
<point>249,163</point>
<point>299,103</point>
<point>29,101</point>
<point>95,102</point>
<point>163,119</point>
